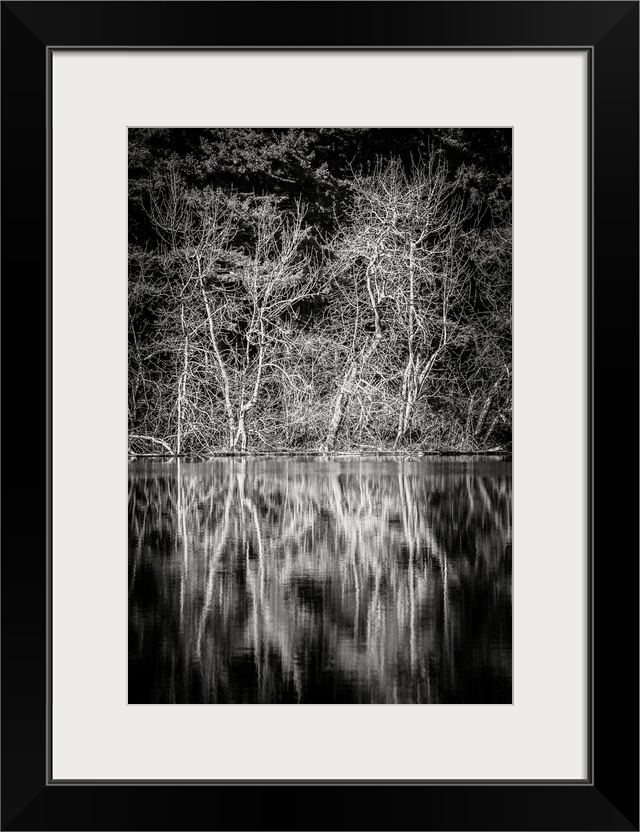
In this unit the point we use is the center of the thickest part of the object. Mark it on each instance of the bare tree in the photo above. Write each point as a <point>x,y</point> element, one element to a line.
<point>398,332</point>
<point>359,265</point>
<point>398,250</point>
<point>240,292</point>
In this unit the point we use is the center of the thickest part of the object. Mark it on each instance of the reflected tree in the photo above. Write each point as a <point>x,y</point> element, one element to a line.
<point>256,582</point>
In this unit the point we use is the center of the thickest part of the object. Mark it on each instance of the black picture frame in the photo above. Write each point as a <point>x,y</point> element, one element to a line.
<point>608,798</point>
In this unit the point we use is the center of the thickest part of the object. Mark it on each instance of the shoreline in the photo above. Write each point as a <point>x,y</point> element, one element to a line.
<point>500,452</point>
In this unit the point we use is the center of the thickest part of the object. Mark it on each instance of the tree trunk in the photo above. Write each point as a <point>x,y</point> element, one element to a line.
<point>344,395</point>
<point>182,384</point>
<point>491,428</point>
<point>414,379</point>
<point>408,398</point>
<point>346,388</point>
<point>221,366</point>
<point>239,441</point>
<point>485,410</point>
<point>339,407</point>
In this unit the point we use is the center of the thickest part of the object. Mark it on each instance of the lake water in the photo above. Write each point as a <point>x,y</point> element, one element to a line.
<point>311,580</point>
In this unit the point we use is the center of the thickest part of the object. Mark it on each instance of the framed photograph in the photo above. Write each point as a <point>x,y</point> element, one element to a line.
<point>340,300</point>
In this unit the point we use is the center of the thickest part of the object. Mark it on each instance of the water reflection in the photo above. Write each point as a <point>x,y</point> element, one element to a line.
<point>305,580</point>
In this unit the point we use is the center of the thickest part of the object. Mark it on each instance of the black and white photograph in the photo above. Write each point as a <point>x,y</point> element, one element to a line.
<point>320,415</point>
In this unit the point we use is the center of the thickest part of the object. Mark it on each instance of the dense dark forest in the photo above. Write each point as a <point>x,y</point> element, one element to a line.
<point>319,290</point>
